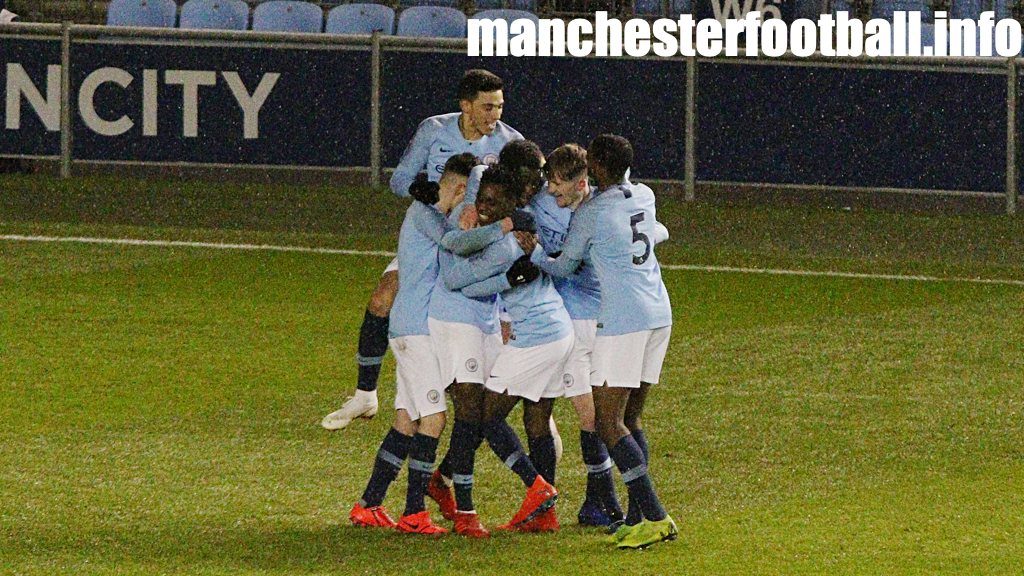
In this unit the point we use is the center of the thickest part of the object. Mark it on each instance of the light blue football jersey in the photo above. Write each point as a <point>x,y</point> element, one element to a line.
<point>580,291</point>
<point>452,305</point>
<point>617,230</point>
<point>417,259</point>
<point>437,139</point>
<point>538,315</point>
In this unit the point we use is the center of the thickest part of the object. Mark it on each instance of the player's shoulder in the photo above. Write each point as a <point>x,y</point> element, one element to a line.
<point>507,132</point>
<point>439,122</point>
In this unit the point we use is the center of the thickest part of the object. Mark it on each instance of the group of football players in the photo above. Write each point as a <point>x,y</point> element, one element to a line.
<point>518,278</point>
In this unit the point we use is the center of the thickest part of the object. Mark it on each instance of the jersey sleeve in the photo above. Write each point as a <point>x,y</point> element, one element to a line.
<point>473,184</point>
<point>414,159</point>
<point>429,222</point>
<point>497,258</point>
<point>660,233</point>
<point>494,285</point>
<point>577,242</point>
<point>466,242</point>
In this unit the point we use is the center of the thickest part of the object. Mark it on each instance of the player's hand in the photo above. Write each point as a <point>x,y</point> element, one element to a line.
<point>523,221</point>
<point>527,241</point>
<point>423,190</point>
<point>468,218</point>
<point>523,271</point>
<point>506,332</point>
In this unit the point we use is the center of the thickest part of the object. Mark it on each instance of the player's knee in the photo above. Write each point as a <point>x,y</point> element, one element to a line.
<point>384,296</point>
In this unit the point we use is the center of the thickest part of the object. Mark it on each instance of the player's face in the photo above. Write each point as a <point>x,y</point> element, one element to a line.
<point>567,193</point>
<point>531,181</point>
<point>481,115</point>
<point>453,190</point>
<point>492,205</point>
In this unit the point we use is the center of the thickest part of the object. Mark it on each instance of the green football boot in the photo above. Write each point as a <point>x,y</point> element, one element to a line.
<point>649,532</point>
<point>623,531</point>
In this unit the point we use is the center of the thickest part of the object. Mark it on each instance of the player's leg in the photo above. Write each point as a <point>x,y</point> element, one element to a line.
<point>373,344</point>
<point>468,401</point>
<point>419,376</point>
<point>391,457</point>
<point>619,362</point>
<point>601,505</point>
<point>462,356</point>
<point>631,418</point>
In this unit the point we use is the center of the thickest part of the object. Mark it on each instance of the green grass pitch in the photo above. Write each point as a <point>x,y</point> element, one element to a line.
<point>160,407</point>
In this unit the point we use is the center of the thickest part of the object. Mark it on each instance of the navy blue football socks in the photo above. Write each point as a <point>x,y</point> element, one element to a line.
<point>542,454</point>
<point>422,455</point>
<point>373,344</point>
<point>506,445</point>
<point>390,458</point>
<point>630,460</point>
<point>462,455</point>
<point>600,483</point>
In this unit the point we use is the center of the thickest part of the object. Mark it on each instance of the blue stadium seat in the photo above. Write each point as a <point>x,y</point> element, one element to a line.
<point>411,3</point>
<point>142,13</point>
<point>215,15</point>
<point>432,21</point>
<point>507,15</point>
<point>361,19</point>
<point>1004,9</point>
<point>489,4</point>
<point>677,7</point>
<point>288,16</point>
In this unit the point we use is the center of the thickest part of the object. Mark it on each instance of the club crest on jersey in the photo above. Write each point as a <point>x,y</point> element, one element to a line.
<point>491,159</point>
<point>568,380</point>
<point>472,365</point>
<point>434,396</point>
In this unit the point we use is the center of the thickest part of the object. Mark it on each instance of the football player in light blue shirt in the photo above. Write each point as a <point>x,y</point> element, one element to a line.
<point>530,365</point>
<point>478,130</point>
<point>615,231</point>
<point>419,399</point>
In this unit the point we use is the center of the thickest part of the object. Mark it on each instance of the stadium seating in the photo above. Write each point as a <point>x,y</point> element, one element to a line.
<point>1003,9</point>
<point>506,15</point>
<point>489,4</point>
<point>215,15</point>
<point>432,21</point>
<point>649,7</point>
<point>143,13</point>
<point>288,16</point>
<point>361,19</point>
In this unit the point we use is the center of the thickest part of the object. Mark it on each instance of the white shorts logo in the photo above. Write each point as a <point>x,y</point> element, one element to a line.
<point>472,364</point>
<point>434,396</point>
<point>568,380</point>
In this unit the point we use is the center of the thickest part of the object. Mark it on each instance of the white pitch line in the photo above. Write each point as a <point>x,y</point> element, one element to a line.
<point>387,254</point>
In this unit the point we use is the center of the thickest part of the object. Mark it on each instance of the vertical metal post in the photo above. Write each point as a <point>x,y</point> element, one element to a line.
<point>375,152</point>
<point>65,99</point>
<point>1011,137</point>
<point>691,128</point>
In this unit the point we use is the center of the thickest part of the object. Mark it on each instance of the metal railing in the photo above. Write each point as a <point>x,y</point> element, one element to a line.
<point>69,33</point>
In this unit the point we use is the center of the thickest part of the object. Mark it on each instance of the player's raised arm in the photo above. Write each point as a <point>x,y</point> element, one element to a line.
<point>660,233</point>
<point>414,159</point>
<point>577,242</point>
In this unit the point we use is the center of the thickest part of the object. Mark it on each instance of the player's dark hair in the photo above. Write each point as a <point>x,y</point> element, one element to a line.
<point>520,153</point>
<point>567,162</point>
<point>461,164</point>
<point>498,176</point>
<point>614,153</point>
<point>478,80</point>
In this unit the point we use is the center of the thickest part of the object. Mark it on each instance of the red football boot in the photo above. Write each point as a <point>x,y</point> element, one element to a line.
<point>441,493</point>
<point>545,522</point>
<point>539,497</point>
<point>420,523</point>
<point>372,517</point>
<point>468,524</point>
